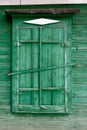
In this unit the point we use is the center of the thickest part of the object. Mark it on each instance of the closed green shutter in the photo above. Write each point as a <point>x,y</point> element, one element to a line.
<point>41,69</point>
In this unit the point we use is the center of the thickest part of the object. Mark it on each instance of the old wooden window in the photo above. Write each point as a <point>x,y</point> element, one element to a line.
<point>41,63</point>
<point>41,67</point>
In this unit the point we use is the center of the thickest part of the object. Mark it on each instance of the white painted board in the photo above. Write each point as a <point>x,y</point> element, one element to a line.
<point>9,2</point>
<point>32,2</point>
<point>38,2</point>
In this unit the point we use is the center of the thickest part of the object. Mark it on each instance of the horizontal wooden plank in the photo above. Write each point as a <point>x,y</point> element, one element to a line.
<point>5,102</point>
<point>4,77</point>
<point>37,109</point>
<point>78,79</point>
<point>5,50</point>
<point>79,39</point>
<point>79,72</point>
<point>5,36</point>
<point>5,89</point>
<point>5,66</point>
<point>80,92</point>
<point>81,34</point>
<point>82,77</point>
<point>76,87</point>
<point>80,100</point>
<point>79,63</point>
<point>80,21</point>
<point>82,63</point>
<point>4,29</point>
<point>79,53</point>
<point>78,60</point>
<point>5,59</point>
<point>78,44</point>
<point>4,108</point>
<point>5,43</point>
<point>79,27</point>
<point>5,83</point>
<point>5,96</point>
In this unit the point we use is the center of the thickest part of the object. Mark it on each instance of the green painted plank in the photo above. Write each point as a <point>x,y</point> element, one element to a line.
<point>28,77</point>
<point>46,61</point>
<point>58,79</point>
<point>5,83</point>
<point>80,21</point>
<point>81,34</point>
<point>35,84</point>
<point>5,59</point>
<point>23,98</point>
<point>7,103</point>
<point>5,43</point>
<point>5,51</point>
<point>78,79</point>
<point>80,93</point>
<point>79,71</point>
<point>5,36</point>
<point>79,45</point>
<point>31,109</point>
<point>31,58</point>
<point>5,89</point>
<point>5,28</point>
<point>79,27</point>
<point>79,53</point>
<point>80,100</point>
<point>4,77</point>
<point>5,66</point>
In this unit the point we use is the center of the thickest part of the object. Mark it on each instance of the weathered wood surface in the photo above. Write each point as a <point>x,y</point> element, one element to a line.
<point>41,89</point>
<point>77,120</point>
<point>45,11</point>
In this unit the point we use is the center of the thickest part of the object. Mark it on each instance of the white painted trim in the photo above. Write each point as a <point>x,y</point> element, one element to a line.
<point>40,2</point>
<point>36,2</point>
<point>10,2</point>
<point>77,1</point>
<point>23,2</point>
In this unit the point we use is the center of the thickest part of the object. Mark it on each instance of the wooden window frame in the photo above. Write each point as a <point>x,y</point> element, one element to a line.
<point>17,19</point>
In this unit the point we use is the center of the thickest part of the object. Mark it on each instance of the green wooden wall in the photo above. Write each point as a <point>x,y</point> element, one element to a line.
<point>77,120</point>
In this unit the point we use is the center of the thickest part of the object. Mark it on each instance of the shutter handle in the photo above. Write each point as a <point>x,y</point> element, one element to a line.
<point>43,107</point>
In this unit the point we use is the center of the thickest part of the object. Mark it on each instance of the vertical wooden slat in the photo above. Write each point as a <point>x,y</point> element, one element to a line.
<point>28,66</point>
<point>25,99</point>
<point>35,94</point>
<point>46,62</point>
<point>65,61</point>
<point>61,52</point>
<point>55,74</point>
<point>58,73</point>
<point>68,86</point>
<point>40,62</point>
<point>25,58</point>
<point>14,67</point>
